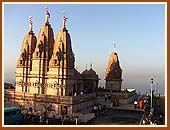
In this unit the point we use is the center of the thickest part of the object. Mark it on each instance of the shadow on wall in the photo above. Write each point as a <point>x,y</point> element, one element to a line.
<point>162,104</point>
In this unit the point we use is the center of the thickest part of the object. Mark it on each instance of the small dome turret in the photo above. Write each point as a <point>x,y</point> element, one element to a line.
<point>90,73</point>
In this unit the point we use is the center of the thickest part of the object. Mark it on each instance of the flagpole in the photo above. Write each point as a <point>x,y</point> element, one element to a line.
<point>30,23</point>
<point>63,13</point>
<point>151,90</point>
<point>64,18</point>
<point>47,14</point>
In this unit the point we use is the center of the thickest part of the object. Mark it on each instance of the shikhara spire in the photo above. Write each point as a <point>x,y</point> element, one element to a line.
<point>113,72</point>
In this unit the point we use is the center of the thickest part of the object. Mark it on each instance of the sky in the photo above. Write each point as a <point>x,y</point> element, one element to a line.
<point>137,29</point>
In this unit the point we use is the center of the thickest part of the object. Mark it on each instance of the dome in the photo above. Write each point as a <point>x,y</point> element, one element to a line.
<point>91,72</point>
<point>85,72</point>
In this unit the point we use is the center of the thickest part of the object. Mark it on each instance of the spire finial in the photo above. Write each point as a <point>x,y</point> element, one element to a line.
<point>86,66</point>
<point>47,14</point>
<point>114,46</point>
<point>91,65</point>
<point>30,23</point>
<point>64,18</point>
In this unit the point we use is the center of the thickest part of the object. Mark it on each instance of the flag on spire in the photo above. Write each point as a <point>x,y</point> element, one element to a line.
<point>47,12</point>
<point>65,19</point>
<point>30,20</point>
<point>30,23</point>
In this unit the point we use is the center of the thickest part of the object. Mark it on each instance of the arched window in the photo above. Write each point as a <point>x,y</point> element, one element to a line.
<point>55,62</point>
<point>37,53</point>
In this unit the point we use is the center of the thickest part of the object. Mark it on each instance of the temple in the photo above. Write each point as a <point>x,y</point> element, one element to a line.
<point>113,74</point>
<point>46,76</point>
<point>47,65</point>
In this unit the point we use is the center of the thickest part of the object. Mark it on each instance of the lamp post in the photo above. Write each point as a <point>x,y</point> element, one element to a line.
<point>151,90</point>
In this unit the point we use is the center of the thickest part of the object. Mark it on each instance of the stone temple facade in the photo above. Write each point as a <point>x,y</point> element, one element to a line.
<point>46,76</point>
<point>46,65</point>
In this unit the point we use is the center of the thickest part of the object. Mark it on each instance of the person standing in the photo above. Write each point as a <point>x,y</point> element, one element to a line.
<point>41,119</point>
<point>135,104</point>
<point>141,104</point>
<point>106,97</point>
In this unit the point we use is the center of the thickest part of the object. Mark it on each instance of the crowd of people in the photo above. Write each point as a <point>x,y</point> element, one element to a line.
<point>152,116</point>
<point>151,119</point>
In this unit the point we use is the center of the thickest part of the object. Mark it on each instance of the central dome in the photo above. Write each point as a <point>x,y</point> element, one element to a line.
<point>85,72</point>
<point>89,73</point>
